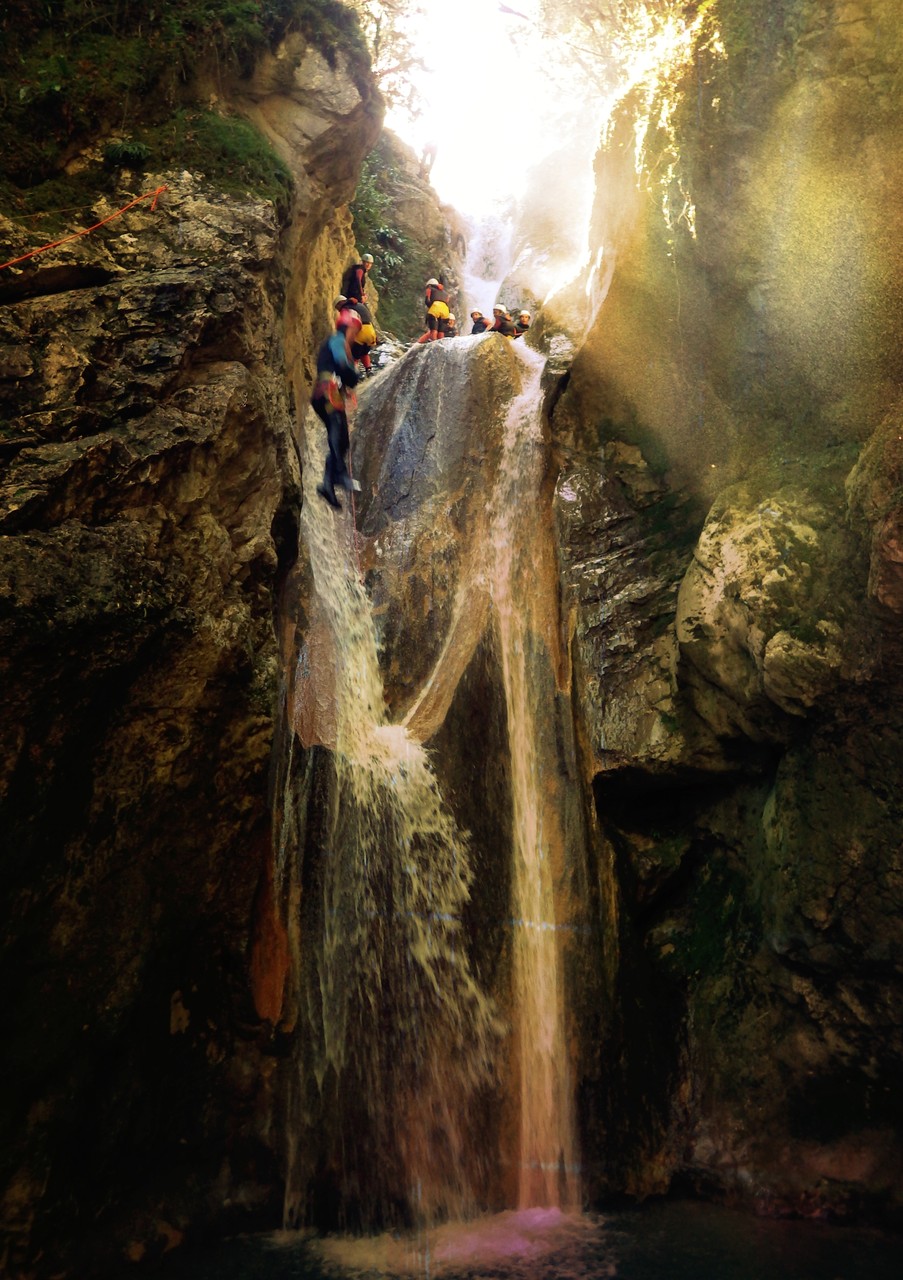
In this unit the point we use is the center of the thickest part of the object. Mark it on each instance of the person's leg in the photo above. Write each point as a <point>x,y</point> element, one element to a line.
<point>325,489</point>
<point>318,404</point>
<point>339,444</point>
<point>338,447</point>
<point>362,353</point>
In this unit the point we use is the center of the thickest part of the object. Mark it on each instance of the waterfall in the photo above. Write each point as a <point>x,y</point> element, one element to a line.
<point>547,1156</point>
<point>489,257</point>
<point>404,1062</point>
<point>402,1039</point>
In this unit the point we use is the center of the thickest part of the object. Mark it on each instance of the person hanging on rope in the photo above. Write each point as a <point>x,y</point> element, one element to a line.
<point>336,375</point>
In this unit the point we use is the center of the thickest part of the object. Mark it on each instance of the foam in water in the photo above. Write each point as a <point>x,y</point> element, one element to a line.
<point>514,1244</point>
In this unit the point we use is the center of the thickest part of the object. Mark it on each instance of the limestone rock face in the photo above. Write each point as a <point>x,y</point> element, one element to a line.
<point>750,604</point>
<point>322,120</point>
<point>728,523</point>
<point>148,513</point>
<point>618,524</point>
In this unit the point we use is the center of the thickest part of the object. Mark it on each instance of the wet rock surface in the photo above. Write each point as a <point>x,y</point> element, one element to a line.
<point>149,495</point>
<point>728,518</point>
<point>725,501</point>
<point>427,449</point>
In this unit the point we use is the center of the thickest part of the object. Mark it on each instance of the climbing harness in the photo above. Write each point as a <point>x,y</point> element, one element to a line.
<point>330,384</point>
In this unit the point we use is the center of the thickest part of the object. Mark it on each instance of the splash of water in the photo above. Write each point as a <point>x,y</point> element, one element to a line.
<point>517,1244</point>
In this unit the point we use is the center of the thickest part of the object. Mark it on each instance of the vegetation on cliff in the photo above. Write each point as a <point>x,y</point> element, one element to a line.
<point>397,218</point>
<point>78,71</point>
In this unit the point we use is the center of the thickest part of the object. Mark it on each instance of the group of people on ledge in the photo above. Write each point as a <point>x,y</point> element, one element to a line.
<point>502,322</point>
<point>441,323</point>
<point>350,344</point>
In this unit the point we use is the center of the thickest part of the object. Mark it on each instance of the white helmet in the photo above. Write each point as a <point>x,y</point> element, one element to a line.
<point>432,280</point>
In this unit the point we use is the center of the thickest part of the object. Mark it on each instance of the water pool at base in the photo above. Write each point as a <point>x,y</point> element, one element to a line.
<point>664,1241</point>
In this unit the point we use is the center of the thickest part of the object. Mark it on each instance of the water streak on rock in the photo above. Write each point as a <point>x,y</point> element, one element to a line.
<point>548,1148</point>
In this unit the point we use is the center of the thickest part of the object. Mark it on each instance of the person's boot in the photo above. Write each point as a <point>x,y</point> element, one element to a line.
<point>327,492</point>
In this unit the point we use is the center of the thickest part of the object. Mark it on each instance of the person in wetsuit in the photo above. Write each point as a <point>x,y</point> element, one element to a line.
<point>522,324</point>
<point>501,322</point>
<point>354,285</point>
<point>436,301</point>
<point>480,323</point>
<point>335,375</point>
<point>365,337</point>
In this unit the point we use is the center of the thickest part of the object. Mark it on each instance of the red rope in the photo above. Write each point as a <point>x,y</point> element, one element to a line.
<point>54,244</point>
<point>47,213</point>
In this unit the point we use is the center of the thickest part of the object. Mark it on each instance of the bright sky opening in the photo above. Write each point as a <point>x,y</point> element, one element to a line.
<point>485,99</point>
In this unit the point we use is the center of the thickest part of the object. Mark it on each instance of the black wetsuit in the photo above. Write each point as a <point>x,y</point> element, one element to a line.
<point>480,326</point>
<point>354,286</point>
<point>520,329</point>
<point>504,326</point>
<point>362,310</point>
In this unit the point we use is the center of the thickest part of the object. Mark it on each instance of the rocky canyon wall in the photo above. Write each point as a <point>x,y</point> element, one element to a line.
<point>150,487</point>
<point>722,462</point>
<point>728,512</point>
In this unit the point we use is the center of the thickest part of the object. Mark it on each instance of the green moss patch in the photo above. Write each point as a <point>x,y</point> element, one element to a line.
<point>402,260</point>
<point>75,71</point>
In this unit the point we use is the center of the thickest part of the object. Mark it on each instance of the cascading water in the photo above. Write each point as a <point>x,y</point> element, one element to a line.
<point>400,1031</point>
<point>489,256</point>
<point>405,1057</point>
<point>525,624</point>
